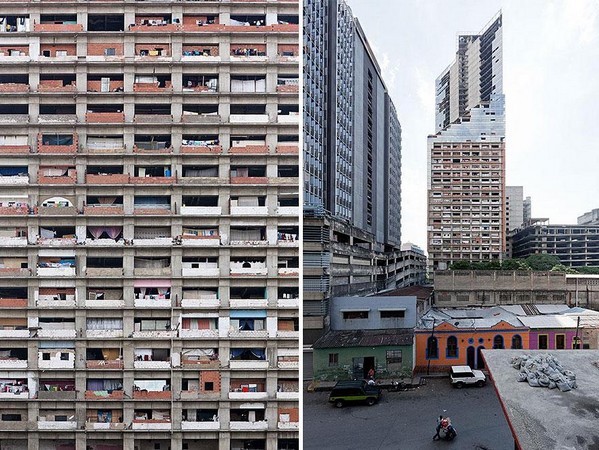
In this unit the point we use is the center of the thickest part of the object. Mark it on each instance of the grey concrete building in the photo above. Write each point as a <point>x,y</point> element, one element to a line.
<point>352,165</point>
<point>466,155</point>
<point>465,288</point>
<point>574,245</point>
<point>149,225</point>
<point>589,218</point>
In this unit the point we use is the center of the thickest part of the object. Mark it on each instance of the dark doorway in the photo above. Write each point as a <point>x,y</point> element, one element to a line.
<point>470,357</point>
<point>480,363</point>
<point>368,364</point>
<point>358,368</point>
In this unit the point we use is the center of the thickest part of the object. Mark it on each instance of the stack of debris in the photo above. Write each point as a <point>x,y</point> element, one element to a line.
<point>544,370</point>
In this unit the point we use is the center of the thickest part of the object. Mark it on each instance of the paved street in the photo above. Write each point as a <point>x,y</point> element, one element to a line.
<point>407,420</point>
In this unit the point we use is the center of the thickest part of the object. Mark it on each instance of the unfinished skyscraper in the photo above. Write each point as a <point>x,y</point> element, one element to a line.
<point>466,156</point>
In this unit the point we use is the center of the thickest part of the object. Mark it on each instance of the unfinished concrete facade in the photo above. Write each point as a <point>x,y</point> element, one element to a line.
<point>466,159</point>
<point>149,225</point>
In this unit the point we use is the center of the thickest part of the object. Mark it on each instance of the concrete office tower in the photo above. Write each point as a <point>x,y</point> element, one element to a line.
<point>466,156</point>
<point>149,231</point>
<point>589,218</point>
<point>574,245</point>
<point>352,165</point>
<point>514,207</point>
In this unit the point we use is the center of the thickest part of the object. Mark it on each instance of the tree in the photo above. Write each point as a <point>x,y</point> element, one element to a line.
<point>542,261</point>
<point>562,269</point>
<point>588,270</point>
<point>461,265</point>
<point>514,264</point>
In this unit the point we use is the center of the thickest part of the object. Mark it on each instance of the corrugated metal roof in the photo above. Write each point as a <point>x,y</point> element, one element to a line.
<point>552,309</point>
<point>548,321</point>
<point>365,338</point>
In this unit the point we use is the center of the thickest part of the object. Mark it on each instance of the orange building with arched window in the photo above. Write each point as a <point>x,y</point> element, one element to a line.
<point>459,342</point>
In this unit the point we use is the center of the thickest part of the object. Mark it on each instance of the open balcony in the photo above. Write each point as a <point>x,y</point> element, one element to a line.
<point>152,205</point>
<point>56,267</point>
<point>200,267</point>
<point>156,23</point>
<point>249,52</point>
<point>57,175</point>
<point>248,358</point>
<point>15,389</point>
<point>199,325</point>
<point>153,328</point>
<point>201,52</point>
<point>56,359</point>
<point>200,358</point>
<point>57,206</point>
<point>104,327</point>
<point>146,358</point>
<point>151,424</point>
<point>261,425</point>
<point>248,266</point>
<point>200,237</point>
<point>200,298</point>
<point>58,23</point>
<point>288,359</point>
<point>57,389</point>
<point>154,389</point>
<point>105,426</point>
<point>200,426</point>
<point>248,206</point>
<point>201,206</point>
<point>57,329</point>
<point>13,175</point>
<point>201,144</point>
<point>57,425</point>
<point>152,83</point>
<point>153,175</point>
<point>14,329</point>
<point>57,143</point>
<point>13,358</point>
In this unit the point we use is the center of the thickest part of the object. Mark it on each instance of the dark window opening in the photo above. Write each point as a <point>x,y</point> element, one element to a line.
<point>248,109</point>
<point>196,200</point>
<point>14,109</point>
<point>105,22</point>
<point>58,109</point>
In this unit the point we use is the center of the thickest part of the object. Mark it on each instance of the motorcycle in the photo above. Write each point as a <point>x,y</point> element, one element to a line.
<point>446,431</point>
<point>397,386</point>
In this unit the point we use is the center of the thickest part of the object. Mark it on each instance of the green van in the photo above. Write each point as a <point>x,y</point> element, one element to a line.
<point>354,391</point>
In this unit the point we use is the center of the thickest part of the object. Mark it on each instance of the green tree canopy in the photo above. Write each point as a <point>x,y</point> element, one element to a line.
<point>542,261</point>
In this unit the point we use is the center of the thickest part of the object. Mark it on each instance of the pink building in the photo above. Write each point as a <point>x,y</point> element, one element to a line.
<point>551,332</point>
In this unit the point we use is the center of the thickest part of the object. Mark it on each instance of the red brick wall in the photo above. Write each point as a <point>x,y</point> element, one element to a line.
<point>102,211</point>
<point>291,149</point>
<point>288,48</point>
<point>293,413</point>
<point>249,149</point>
<point>210,376</point>
<point>117,178</point>
<point>14,87</point>
<point>56,27</point>
<point>6,49</point>
<point>105,117</point>
<point>70,48</point>
<point>96,85</point>
<point>14,148</point>
<point>41,148</point>
<point>165,52</point>
<point>217,149</point>
<point>213,48</point>
<point>191,20</point>
<point>98,49</point>
<point>55,85</point>
<point>288,88</point>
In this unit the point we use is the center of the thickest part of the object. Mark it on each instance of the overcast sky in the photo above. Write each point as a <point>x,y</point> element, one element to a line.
<point>551,84</point>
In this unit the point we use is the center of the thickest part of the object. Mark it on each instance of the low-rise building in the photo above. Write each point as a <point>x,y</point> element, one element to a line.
<point>367,333</point>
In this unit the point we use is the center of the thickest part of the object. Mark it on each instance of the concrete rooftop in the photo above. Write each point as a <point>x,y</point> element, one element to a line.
<point>541,418</point>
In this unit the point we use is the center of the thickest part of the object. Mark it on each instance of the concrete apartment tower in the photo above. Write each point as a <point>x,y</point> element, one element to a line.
<point>149,224</point>
<point>352,166</point>
<point>466,156</point>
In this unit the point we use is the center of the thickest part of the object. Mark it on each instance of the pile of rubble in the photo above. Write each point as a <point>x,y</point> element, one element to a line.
<point>544,370</point>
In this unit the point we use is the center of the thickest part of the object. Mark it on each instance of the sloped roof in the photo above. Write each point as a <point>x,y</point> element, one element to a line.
<point>548,321</point>
<point>365,338</point>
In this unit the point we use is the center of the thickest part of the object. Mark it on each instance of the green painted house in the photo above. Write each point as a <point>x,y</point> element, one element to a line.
<point>367,333</point>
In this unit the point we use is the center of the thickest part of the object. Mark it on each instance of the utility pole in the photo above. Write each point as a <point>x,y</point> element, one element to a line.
<point>428,367</point>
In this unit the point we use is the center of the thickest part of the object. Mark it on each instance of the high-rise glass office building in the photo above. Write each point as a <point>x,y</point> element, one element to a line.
<point>352,165</point>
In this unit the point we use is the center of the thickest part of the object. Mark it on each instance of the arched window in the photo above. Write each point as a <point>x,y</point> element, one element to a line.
<point>498,341</point>
<point>432,348</point>
<point>517,341</point>
<point>452,347</point>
